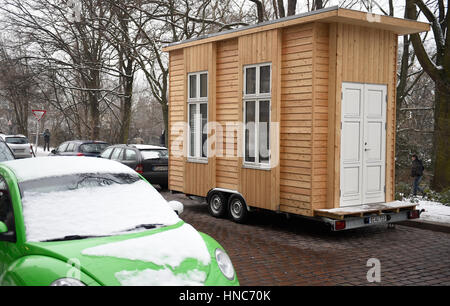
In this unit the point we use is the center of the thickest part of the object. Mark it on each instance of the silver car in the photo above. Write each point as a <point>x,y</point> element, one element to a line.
<point>19,145</point>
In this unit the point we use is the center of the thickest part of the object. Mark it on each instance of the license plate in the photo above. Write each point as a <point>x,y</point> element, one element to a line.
<point>19,150</point>
<point>160,168</point>
<point>378,219</point>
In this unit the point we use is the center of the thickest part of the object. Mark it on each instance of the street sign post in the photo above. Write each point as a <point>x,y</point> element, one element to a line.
<point>39,114</point>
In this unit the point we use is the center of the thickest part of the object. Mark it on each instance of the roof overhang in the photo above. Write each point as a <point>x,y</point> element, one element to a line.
<point>333,14</point>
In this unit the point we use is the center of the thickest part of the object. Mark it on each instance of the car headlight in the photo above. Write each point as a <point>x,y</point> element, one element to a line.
<point>67,282</point>
<point>225,265</point>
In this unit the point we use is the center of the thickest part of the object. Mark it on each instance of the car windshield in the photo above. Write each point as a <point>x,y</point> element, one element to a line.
<point>16,140</point>
<point>80,206</point>
<point>5,152</point>
<point>95,148</point>
<point>155,154</point>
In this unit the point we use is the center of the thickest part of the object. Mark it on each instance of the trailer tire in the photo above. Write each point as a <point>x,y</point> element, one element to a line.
<point>217,204</point>
<point>237,209</point>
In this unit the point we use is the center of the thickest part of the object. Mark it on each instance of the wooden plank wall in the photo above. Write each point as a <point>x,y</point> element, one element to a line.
<point>198,178</point>
<point>227,100</point>
<point>296,119</point>
<point>363,55</point>
<point>259,186</point>
<point>320,115</point>
<point>177,79</point>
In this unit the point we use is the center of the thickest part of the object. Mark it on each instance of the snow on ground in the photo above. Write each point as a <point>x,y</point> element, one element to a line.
<point>167,248</point>
<point>434,211</point>
<point>100,210</point>
<point>41,153</point>
<point>35,168</point>
<point>163,277</point>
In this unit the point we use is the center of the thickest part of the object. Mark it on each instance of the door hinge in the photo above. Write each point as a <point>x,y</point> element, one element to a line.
<point>342,96</point>
<point>340,193</point>
<point>384,189</point>
<point>385,125</point>
<point>341,125</point>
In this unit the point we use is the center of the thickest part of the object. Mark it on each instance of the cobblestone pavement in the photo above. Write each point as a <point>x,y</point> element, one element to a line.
<point>273,250</point>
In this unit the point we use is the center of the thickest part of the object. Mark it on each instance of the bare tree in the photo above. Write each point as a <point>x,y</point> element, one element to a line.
<point>438,68</point>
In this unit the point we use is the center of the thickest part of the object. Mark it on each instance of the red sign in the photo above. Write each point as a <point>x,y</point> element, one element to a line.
<point>39,113</point>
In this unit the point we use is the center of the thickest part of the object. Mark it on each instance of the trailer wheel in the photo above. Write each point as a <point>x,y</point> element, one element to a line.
<point>238,209</point>
<point>217,205</point>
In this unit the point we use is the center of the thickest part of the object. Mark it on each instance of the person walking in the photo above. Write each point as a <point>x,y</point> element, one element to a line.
<point>47,140</point>
<point>417,173</point>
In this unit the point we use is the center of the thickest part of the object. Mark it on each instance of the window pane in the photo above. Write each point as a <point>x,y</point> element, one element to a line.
<point>107,153</point>
<point>250,81</point>
<point>130,155</point>
<point>117,154</point>
<point>192,127</point>
<point>250,131</point>
<point>204,114</point>
<point>264,84</point>
<point>203,85</point>
<point>193,86</point>
<point>264,132</point>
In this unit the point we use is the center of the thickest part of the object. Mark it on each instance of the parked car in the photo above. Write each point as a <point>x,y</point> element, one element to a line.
<point>80,148</point>
<point>69,221</point>
<point>5,152</point>
<point>149,161</point>
<point>19,144</point>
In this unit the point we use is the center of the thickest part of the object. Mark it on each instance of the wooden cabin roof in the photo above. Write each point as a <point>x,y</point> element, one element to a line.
<point>333,14</point>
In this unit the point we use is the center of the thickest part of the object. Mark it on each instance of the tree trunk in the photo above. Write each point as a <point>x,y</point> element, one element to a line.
<point>165,111</point>
<point>439,72</point>
<point>259,10</point>
<point>292,6</point>
<point>441,148</point>
<point>127,107</point>
<point>281,10</point>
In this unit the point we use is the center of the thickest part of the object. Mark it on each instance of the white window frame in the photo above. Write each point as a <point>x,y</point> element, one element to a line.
<point>257,97</point>
<point>198,101</point>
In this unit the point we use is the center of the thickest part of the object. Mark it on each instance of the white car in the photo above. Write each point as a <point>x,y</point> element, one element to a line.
<point>19,145</point>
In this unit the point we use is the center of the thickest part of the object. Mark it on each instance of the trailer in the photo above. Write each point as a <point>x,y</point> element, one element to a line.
<point>295,116</point>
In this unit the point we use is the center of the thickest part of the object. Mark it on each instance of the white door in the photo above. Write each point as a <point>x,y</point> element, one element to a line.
<point>363,144</point>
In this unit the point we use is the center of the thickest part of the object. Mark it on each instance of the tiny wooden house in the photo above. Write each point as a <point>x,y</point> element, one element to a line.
<point>301,111</point>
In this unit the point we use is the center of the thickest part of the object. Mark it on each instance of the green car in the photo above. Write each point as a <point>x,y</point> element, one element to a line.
<point>75,221</point>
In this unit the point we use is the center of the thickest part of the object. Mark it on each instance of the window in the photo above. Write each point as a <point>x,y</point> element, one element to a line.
<point>130,155</point>
<point>70,147</point>
<point>107,153</point>
<point>6,212</point>
<point>257,102</point>
<point>17,140</point>
<point>198,115</point>
<point>117,154</point>
<point>63,147</point>
<point>5,152</point>
<point>93,148</point>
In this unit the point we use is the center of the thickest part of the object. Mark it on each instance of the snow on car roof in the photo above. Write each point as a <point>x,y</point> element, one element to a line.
<point>41,167</point>
<point>147,147</point>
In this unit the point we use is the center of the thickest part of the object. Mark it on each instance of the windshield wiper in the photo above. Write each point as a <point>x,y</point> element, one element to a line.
<point>71,237</point>
<point>145,226</point>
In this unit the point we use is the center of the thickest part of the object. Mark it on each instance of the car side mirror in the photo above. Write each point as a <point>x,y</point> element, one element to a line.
<point>177,207</point>
<point>54,151</point>
<point>3,228</point>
